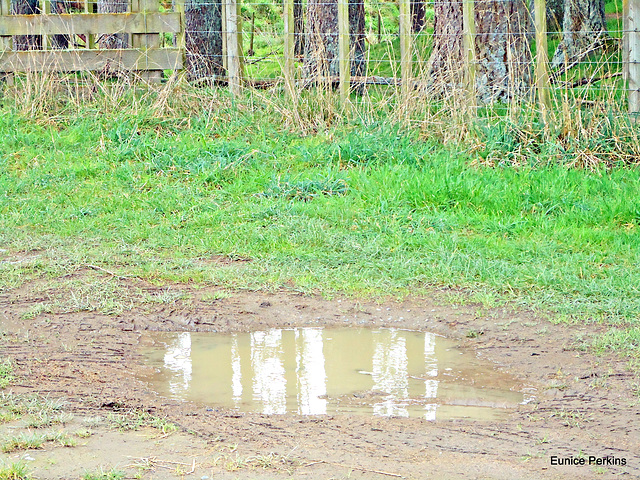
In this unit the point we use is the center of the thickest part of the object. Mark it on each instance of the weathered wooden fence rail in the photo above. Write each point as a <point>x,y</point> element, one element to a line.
<point>143,25</point>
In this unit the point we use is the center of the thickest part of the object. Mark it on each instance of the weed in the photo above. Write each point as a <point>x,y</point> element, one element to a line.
<point>36,310</point>
<point>542,440</point>
<point>31,404</point>
<point>6,373</point>
<point>166,296</point>
<point>571,418</point>
<point>306,189</point>
<point>136,420</point>
<point>83,433</point>
<point>215,296</point>
<point>24,441</point>
<point>14,471</point>
<point>60,438</point>
<point>474,333</point>
<point>124,422</point>
<point>45,418</point>
<point>101,474</point>
<point>162,424</point>
<point>93,421</point>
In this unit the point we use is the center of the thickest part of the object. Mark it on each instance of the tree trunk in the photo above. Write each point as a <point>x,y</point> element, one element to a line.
<point>203,38</point>
<point>59,41</point>
<point>585,31</point>
<point>321,44</point>
<point>113,40</point>
<point>502,50</point>
<point>446,61</point>
<point>357,38</point>
<point>298,28</point>
<point>555,12</point>
<point>26,42</point>
<point>417,15</point>
<point>503,58</point>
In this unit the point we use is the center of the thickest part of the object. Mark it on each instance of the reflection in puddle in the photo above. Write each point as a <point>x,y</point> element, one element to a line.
<point>314,371</point>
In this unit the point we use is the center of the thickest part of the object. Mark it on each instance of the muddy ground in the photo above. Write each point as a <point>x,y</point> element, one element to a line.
<point>584,404</point>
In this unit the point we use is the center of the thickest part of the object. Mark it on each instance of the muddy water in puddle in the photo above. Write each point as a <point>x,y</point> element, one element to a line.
<point>315,371</point>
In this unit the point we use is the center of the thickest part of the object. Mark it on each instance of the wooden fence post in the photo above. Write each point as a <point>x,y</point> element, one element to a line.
<point>234,68</point>
<point>625,41</point>
<point>223,23</point>
<point>90,38</point>
<point>147,41</point>
<point>469,41</point>
<point>634,56</point>
<point>343,50</point>
<point>240,39</point>
<point>180,38</point>
<point>289,47</point>
<point>406,54</point>
<point>5,9</point>
<point>45,9</point>
<point>543,83</point>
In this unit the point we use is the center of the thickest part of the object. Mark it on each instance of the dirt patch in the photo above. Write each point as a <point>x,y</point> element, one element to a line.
<point>585,405</point>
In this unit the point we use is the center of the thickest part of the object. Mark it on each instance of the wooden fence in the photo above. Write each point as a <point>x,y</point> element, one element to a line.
<point>143,25</point>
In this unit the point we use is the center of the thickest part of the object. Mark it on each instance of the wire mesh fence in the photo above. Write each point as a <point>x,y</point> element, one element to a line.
<point>495,50</point>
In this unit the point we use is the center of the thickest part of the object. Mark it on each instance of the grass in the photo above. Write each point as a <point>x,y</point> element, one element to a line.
<point>101,474</point>
<point>14,471</point>
<point>34,441</point>
<point>394,198</point>
<point>365,208</point>
<point>136,420</point>
<point>6,373</point>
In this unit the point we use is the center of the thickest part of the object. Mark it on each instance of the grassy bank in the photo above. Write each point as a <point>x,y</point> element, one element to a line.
<point>155,187</point>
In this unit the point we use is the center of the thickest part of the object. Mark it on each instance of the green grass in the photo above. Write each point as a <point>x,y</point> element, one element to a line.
<point>6,373</point>
<point>136,420</point>
<point>365,208</point>
<point>111,474</point>
<point>14,471</point>
<point>34,441</point>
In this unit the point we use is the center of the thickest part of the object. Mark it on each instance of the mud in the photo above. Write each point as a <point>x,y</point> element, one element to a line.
<point>584,405</point>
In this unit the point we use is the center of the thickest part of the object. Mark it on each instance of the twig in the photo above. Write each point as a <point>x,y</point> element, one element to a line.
<point>589,81</point>
<point>253,62</point>
<point>389,474</point>
<point>95,267</point>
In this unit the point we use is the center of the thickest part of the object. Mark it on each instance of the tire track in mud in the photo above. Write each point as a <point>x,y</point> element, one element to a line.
<point>91,359</point>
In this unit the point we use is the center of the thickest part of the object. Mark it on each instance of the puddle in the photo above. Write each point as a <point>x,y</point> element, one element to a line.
<point>315,371</point>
